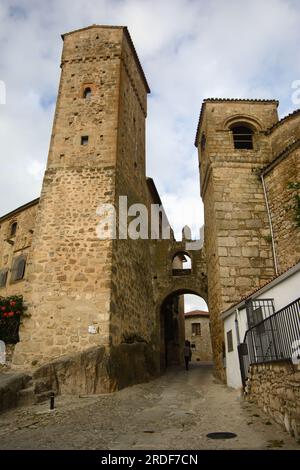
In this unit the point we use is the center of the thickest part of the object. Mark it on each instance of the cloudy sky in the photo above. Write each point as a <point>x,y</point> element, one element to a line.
<point>189,49</point>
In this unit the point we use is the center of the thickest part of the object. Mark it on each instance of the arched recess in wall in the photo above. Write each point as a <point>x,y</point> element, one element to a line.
<point>243,119</point>
<point>243,129</point>
<point>87,93</point>
<point>87,90</point>
<point>181,263</point>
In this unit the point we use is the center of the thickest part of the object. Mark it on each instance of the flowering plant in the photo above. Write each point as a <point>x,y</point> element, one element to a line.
<point>11,310</point>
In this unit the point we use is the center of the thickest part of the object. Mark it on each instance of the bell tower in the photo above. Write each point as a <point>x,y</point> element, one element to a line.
<point>232,148</point>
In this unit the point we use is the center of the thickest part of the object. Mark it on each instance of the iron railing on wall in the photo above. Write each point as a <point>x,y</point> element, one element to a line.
<point>275,338</point>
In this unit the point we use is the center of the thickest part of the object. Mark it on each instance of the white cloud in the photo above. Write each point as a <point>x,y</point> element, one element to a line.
<point>190,49</point>
<point>194,302</point>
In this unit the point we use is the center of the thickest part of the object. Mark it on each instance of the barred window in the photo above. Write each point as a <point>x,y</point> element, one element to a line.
<point>3,277</point>
<point>18,268</point>
<point>196,329</point>
<point>242,137</point>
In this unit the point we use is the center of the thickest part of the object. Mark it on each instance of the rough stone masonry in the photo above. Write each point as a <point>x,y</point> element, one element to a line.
<point>74,283</point>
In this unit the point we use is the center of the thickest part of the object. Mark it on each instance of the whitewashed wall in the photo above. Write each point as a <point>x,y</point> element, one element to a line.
<point>284,292</point>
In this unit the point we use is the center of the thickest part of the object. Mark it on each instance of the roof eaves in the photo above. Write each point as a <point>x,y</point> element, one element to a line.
<point>281,121</point>
<point>285,152</point>
<point>19,209</point>
<point>260,290</point>
<point>229,100</point>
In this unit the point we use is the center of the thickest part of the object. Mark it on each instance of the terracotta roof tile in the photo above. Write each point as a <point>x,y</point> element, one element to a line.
<point>250,293</point>
<point>197,313</point>
<point>231,100</point>
<point>278,123</point>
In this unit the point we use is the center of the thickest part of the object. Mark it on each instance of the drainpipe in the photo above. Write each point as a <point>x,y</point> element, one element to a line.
<point>270,223</point>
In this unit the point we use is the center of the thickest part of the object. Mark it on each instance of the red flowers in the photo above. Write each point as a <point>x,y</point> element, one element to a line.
<point>11,311</point>
<point>11,307</point>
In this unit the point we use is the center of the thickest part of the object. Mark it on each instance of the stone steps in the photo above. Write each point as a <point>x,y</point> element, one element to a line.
<point>11,384</point>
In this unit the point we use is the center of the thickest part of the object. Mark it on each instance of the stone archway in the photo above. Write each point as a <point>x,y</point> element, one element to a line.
<point>170,282</point>
<point>170,318</point>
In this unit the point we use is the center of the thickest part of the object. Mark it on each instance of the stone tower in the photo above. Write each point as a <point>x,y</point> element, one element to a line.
<point>237,231</point>
<point>76,290</point>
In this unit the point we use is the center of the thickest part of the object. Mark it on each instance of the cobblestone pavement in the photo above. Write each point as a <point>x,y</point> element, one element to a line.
<point>175,411</point>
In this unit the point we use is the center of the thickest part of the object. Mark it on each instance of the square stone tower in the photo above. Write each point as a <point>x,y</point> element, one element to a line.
<point>76,293</point>
<point>232,149</point>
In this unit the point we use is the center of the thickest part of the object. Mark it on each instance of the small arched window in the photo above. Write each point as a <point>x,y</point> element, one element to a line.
<point>18,268</point>
<point>13,229</point>
<point>181,264</point>
<point>242,137</point>
<point>87,93</point>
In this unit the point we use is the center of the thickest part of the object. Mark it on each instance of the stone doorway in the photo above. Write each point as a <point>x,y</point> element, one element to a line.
<point>172,326</point>
<point>182,316</point>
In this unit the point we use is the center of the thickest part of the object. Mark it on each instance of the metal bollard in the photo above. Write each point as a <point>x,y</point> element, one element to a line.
<point>52,396</point>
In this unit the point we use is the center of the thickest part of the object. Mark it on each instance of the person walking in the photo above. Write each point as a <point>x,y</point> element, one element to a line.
<point>187,354</point>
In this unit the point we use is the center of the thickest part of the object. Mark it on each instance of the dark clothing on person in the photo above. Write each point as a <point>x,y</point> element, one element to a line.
<point>187,354</point>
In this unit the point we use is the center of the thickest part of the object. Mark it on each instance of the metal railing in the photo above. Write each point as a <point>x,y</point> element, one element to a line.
<point>275,338</point>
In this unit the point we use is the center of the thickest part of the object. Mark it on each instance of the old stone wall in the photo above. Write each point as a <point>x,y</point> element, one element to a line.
<point>95,370</point>
<point>275,387</point>
<point>281,198</point>
<point>284,133</point>
<point>201,344</point>
<point>132,302</point>
<point>239,255</point>
<point>70,274</point>
<point>13,246</point>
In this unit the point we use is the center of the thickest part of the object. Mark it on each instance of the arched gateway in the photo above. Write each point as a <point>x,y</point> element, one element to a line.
<point>173,280</point>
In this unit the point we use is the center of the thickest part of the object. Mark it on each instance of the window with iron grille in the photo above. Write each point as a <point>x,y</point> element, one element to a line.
<point>18,268</point>
<point>196,329</point>
<point>242,137</point>
<point>3,277</point>
<point>259,309</point>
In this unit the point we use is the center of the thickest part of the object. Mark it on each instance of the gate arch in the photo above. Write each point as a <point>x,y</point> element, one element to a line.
<point>171,327</point>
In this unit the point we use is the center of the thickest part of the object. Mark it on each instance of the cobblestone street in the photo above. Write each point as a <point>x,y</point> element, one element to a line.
<point>175,411</point>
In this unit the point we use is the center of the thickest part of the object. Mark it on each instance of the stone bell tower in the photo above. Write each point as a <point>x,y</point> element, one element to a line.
<point>97,152</point>
<point>232,148</point>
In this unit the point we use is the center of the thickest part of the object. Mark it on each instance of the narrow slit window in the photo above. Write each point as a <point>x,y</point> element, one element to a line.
<point>13,229</point>
<point>3,277</point>
<point>84,140</point>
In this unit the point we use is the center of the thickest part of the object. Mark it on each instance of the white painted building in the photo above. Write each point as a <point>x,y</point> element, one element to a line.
<point>280,292</point>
